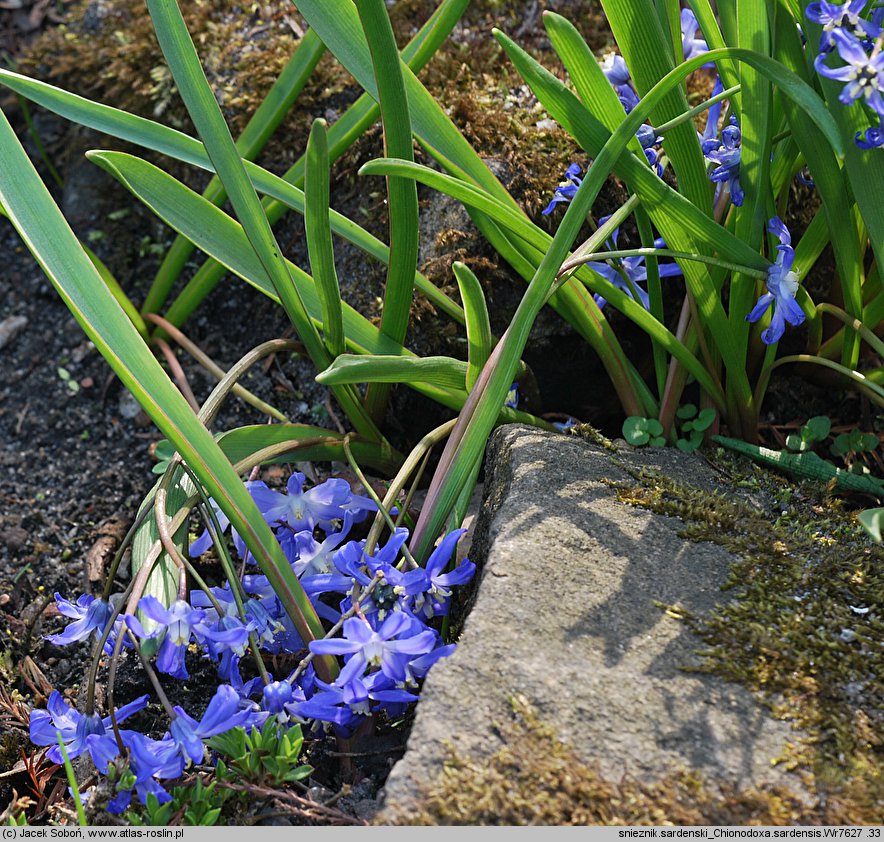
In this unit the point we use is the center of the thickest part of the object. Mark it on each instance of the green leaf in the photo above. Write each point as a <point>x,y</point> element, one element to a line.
<point>261,126</point>
<point>639,36</point>
<point>147,549</point>
<point>872,520</point>
<point>687,410</point>
<point>479,338</point>
<point>635,430</point>
<point>351,125</point>
<point>319,241</point>
<point>401,192</point>
<point>819,427</point>
<point>704,420</point>
<point>298,773</point>
<point>538,239</point>
<point>205,112</point>
<point>441,371</point>
<point>337,23</point>
<point>307,444</point>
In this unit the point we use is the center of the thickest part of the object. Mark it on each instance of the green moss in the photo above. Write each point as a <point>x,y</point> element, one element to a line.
<point>797,631</point>
<point>537,779</point>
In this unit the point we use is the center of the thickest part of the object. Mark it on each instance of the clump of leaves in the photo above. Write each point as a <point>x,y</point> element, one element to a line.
<point>851,444</point>
<point>640,431</point>
<point>270,756</point>
<point>154,814</point>
<point>694,425</point>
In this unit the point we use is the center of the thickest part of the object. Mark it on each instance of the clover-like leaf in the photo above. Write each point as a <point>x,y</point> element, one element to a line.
<point>704,420</point>
<point>818,427</point>
<point>872,520</point>
<point>635,430</point>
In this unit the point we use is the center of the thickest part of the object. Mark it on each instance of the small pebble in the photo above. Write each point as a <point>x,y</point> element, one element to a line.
<point>848,635</point>
<point>11,327</point>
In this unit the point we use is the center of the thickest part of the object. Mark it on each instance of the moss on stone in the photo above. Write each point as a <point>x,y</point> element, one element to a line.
<point>537,779</point>
<point>804,629</point>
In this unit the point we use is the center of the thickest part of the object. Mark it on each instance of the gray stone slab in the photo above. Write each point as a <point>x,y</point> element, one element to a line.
<point>565,616</point>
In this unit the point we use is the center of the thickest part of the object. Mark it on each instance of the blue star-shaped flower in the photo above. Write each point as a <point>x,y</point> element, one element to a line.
<point>844,18</point>
<point>863,73</point>
<point>782,284</point>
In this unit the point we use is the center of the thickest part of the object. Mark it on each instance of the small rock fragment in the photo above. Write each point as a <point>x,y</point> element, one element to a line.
<point>11,327</point>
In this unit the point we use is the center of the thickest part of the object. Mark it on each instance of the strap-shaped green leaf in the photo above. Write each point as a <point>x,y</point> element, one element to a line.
<point>175,144</point>
<point>755,94</point>
<point>401,192</point>
<point>222,238</point>
<point>308,443</point>
<point>639,36</point>
<point>865,167</point>
<point>319,241</point>
<point>260,128</point>
<point>205,113</point>
<point>480,340</point>
<point>537,243</point>
<point>350,126</point>
<point>831,183</point>
<point>337,23</point>
<point>441,371</point>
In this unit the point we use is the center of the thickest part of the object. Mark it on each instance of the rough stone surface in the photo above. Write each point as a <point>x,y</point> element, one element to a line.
<point>567,617</point>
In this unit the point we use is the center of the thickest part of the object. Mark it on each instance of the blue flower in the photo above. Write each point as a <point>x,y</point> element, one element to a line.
<point>318,506</point>
<point>177,624</point>
<point>222,714</point>
<point>74,726</point>
<point>710,133</point>
<point>367,647</point>
<point>844,18</point>
<point>615,70</point>
<point>276,696</point>
<point>617,73</point>
<point>633,268</point>
<point>566,189</point>
<point>435,603</point>
<point>691,45</point>
<point>148,759</point>
<point>307,556</point>
<point>726,154</point>
<point>346,703</point>
<point>91,617</point>
<point>782,284</point>
<point>863,73</point>
<point>874,137</point>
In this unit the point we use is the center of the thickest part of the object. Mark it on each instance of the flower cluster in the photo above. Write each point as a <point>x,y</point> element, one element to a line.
<point>384,606</point>
<point>723,150</point>
<point>859,43</point>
